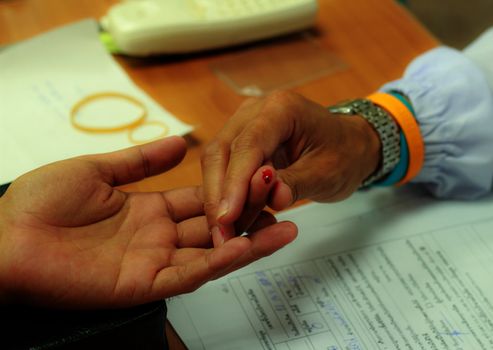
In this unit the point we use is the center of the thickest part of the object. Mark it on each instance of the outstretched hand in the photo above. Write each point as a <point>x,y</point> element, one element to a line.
<point>70,239</point>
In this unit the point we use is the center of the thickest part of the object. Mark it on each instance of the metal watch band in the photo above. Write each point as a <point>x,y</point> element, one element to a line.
<point>386,128</point>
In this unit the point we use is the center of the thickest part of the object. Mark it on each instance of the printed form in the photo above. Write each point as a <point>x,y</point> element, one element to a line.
<point>379,271</point>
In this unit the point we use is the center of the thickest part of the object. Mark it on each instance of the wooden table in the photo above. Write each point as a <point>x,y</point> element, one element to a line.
<point>375,38</point>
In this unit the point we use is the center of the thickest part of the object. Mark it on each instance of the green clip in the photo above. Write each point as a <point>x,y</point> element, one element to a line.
<point>109,42</point>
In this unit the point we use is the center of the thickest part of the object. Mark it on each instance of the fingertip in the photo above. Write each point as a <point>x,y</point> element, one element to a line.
<point>138,162</point>
<point>268,175</point>
<point>281,197</point>
<point>177,142</point>
<point>290,230</point>
<point>223,210</point>
<point>226,254</point>
<point>175,138</point>
<point>265,177</point>
<point>273,238</point>
<point>221,234</point>
<point>286,232</point>
<point>261,185</point>
<point>164,154</point>
<point>229,210</point>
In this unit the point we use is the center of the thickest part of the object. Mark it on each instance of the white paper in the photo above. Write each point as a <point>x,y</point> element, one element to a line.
<point>42,78</point>
<point>375,272</point>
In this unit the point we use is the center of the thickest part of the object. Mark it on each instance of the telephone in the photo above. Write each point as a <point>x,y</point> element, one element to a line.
<point>149,27</point>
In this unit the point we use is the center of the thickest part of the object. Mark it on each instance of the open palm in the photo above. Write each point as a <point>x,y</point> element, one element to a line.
<point>70,239</point>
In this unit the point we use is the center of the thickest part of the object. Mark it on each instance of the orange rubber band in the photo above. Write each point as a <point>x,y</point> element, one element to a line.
<point>76,107</point>
<point>410,129</point>
<point>163,133</point>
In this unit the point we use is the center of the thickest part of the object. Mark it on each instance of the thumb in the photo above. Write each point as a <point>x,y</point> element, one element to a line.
<point>136,163</point>
<point>301,180</point>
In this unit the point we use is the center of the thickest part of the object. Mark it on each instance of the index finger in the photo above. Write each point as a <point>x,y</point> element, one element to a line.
<point>252,148</point>
<point>215,158</point>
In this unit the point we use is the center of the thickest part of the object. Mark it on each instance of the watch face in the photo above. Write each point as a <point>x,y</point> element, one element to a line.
<point>341,110</point>
<point>346,107</point>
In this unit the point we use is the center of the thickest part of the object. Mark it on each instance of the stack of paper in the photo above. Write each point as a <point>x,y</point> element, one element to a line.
<point>375,272</point>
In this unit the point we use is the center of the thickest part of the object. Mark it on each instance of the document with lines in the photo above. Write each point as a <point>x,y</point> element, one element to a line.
<point>378,271</point>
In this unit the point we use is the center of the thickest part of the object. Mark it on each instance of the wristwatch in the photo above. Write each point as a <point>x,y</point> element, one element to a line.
<point>386,128</point>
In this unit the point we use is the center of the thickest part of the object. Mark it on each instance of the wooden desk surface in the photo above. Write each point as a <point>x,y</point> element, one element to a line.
<point>375,38</point>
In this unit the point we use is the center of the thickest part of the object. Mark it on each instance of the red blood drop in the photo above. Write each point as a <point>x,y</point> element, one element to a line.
<point>267,176</point>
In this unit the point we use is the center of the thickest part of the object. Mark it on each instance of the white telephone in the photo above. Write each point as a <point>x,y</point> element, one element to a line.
<point>147,27</point>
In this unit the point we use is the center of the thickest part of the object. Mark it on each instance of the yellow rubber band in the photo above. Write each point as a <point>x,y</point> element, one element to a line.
<point>76,107</point>
<point>410,129</point>
<point>152,122</point>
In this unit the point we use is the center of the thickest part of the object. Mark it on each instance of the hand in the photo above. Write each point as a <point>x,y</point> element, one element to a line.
<point>70,239</point>
<point>317,155</point>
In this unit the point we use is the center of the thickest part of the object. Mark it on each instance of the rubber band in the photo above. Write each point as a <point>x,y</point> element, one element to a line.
<point>404,100</point>
<point>410,129</point>
<point>165,131</point>
<point>77,106</point>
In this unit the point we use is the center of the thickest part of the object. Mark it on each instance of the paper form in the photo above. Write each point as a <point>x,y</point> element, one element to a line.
<point>42,78</point>
<point>411,273</point>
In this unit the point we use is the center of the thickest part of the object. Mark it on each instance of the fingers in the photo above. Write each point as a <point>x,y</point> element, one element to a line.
<point>191,268</point>
<point>302,179</point>
<point>282,196</point>
<point>214,163</point>
<point>184,203</point>
<point>264,243</point>
<point>194,232</point>
<point>250,150</point>
<point>135,163</point>
<point>246,142</point>
<point>327,173</point>
<point>260,186</point>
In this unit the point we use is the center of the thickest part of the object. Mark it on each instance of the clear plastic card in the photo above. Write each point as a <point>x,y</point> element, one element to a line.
<point>277,64</point>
